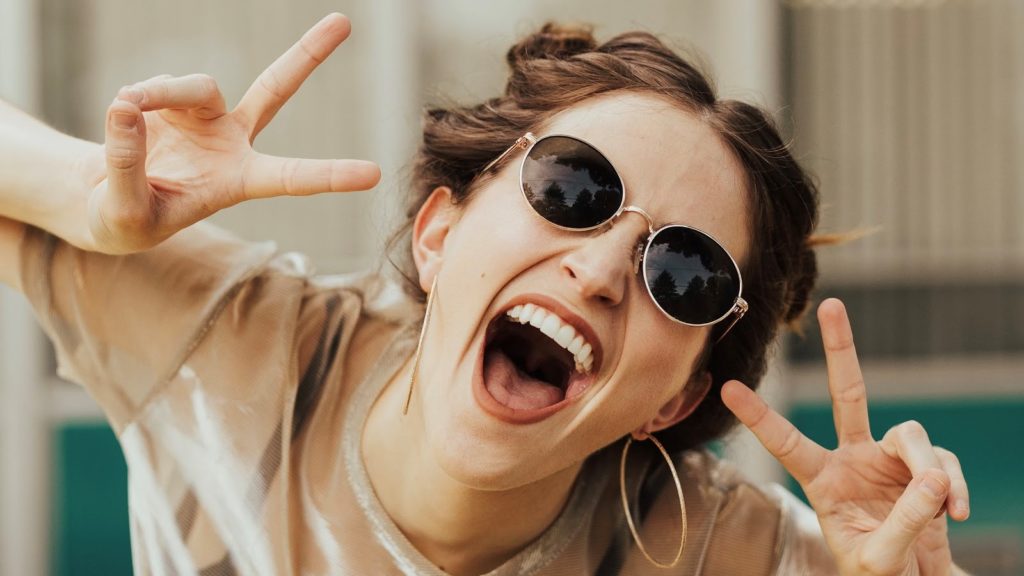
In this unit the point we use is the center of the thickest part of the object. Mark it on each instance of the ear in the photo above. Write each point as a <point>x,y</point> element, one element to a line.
<point>429,232</point>
<point>678,407</point>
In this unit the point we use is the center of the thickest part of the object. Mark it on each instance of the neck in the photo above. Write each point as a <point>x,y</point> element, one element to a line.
<point>461,529</point>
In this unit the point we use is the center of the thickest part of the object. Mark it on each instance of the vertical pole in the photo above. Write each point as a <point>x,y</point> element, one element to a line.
<point>748,64</point>
<point>24,428</point>
<point>395,30</point>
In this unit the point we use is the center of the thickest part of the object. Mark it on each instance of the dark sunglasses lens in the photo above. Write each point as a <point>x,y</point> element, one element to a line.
<point>690,275</point>
<point>570,183</point>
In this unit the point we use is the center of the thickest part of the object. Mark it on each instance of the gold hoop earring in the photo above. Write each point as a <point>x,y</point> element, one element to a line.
<point>629,516</point>
<point>419,345</point>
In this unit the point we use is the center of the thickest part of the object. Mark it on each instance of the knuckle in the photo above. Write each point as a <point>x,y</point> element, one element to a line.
<point>335,177</point>
<point>207,84</point>
<point>906,518</point>
<point>913,430</point>
<point>289,172</point>
<point>759,417</point>
<point>790,442</point>
<point>129,221</point>
<point>942,477</point>
<point>841,344</point>
<point>307,49</point>
<point>123,157</point>
<point>871,564</point>
<point>271,83</point>
<point>947,456</point>
<point>161,89</point>
<point>853,392</point>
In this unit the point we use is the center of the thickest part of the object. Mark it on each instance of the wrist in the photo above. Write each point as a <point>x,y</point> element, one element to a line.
<point>45,175</point>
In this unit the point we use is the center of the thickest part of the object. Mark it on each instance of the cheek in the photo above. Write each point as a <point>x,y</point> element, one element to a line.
<point>657,364</point>
<point>496,239</point>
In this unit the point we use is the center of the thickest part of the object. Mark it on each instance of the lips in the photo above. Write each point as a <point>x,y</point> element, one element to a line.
<point>521,375</point>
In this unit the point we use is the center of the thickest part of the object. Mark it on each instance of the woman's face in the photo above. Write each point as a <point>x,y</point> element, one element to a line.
<point>494,251</point>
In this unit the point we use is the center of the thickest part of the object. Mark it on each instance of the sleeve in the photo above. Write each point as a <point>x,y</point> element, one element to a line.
<point>121,325</point>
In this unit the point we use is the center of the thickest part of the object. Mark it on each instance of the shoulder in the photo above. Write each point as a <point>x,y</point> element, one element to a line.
<point>356,308</point>
<point>378,296</point>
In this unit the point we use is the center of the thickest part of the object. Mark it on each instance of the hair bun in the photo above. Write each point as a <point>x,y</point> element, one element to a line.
<point>553,42</point>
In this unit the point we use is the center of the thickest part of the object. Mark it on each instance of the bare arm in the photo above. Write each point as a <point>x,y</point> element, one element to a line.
<point>38,185</point>
<point>10,240</point>
<point>41,178</point>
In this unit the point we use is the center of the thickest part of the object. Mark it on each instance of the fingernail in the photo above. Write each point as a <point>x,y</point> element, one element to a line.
<point>126,121</point>
<point>963,509</point>
<point>932,486</point>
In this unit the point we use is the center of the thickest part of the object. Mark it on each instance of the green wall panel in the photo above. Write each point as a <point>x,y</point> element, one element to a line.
<point>986,434</point>
<point>90,513</point>
<point>91,506</point>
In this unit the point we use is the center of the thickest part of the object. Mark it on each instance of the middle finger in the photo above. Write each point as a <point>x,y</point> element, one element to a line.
<point>845,380</point>
<point>283,78</point>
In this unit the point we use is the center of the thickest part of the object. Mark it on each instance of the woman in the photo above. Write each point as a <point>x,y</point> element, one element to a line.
<point>521,422</point>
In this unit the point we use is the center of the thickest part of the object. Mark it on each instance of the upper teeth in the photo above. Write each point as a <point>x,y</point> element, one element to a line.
<point>558,330</point>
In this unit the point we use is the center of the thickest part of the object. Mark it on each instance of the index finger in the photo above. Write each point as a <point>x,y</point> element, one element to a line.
<point>800,455</point>
<point>845,380</point>
<point>282,79</point>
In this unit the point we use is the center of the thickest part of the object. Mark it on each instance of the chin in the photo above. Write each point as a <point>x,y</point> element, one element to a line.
<point>475,452</point>
<point>483,444</point>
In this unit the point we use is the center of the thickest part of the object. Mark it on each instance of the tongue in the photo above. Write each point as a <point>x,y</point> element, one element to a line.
<point>513,388</point>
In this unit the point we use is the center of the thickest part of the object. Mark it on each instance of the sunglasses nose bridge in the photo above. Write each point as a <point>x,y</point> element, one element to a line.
<point>638,250</point>
<point>641,212</point>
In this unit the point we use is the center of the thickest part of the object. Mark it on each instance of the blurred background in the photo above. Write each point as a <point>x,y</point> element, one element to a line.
<point>910,113</point>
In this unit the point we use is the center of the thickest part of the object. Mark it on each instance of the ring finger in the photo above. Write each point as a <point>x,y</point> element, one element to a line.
<point>909,442</point>
<point>959,498</point>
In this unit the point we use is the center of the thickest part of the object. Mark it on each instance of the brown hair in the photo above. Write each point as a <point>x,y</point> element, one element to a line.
<point>557,67</point>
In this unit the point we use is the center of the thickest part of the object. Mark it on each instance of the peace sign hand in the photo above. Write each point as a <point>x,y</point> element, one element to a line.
<point>881,504</point>
<point>174,154</point>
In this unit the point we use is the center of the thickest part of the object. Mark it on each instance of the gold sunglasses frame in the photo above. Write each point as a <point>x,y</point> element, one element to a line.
<point>527,141</point>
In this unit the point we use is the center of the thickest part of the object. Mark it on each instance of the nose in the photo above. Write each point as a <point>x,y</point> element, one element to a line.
<point>601,266</point>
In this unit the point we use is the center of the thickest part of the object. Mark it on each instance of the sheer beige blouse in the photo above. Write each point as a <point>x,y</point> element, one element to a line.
<point>238,383</point>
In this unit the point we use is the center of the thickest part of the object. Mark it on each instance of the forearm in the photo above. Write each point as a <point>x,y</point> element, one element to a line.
<point>42,175</point>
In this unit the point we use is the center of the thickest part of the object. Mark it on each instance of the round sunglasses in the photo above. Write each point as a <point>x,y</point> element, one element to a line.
<point>689,275</point>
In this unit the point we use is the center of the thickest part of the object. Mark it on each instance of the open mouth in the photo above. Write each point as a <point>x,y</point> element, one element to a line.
<point>534,363</point>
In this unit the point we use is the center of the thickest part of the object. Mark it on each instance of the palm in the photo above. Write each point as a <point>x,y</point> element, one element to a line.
<point>868,495</point>
<point>186,156</point>
<point>198,159</point>
<point>856,491</point>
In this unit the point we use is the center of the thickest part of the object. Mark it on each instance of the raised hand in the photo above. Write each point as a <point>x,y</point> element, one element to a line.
<point>882,505</point>
<point>174,154</point>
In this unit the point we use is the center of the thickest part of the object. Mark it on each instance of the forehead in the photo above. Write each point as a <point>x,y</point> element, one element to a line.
<point>673,164</point>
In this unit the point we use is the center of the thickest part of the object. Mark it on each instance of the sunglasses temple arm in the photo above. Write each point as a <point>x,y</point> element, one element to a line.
<point>737,312</point>
<point>521,142</point>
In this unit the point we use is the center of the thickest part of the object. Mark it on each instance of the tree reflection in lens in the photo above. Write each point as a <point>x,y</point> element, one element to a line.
<point>690,275</point>
<point>570,183</point>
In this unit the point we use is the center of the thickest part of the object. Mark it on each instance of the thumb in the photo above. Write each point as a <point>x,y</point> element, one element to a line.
<point>126,151</point>
<point>923,498</point>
